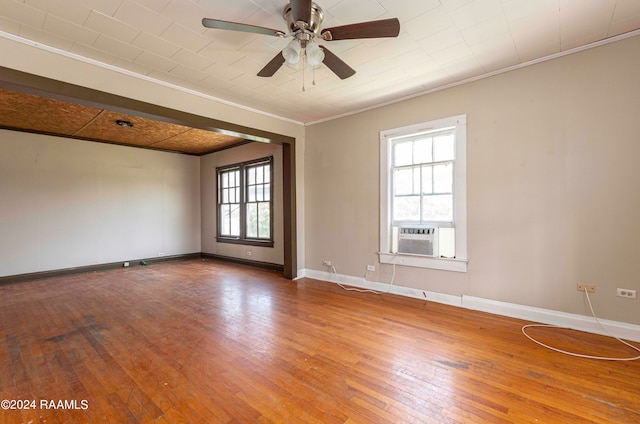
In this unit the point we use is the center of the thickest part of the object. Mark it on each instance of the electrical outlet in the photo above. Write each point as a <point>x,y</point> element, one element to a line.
<point>125,264</point>
<point>249,253</point>
<point>627,293</point>
<point>327,263</point>
<point>371,267</point>
<point>590,288</point>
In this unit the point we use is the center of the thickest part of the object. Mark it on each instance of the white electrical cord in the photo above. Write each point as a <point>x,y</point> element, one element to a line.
<point>603,358</point>
<point>335,273</point>
<point>393,277</point>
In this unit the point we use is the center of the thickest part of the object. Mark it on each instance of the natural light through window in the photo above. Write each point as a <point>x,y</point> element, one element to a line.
<point>423,194</point>
<point>245,208</point>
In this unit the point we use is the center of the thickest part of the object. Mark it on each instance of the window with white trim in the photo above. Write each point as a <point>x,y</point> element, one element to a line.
<point>423,194</point>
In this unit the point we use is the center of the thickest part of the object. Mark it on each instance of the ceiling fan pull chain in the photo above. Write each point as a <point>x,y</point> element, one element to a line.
<point>304,55</point>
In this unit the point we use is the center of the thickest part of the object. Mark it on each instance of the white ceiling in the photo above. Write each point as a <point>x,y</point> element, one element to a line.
<point>441,42</point>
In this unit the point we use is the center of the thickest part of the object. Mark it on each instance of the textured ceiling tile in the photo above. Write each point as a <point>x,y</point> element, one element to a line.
<point>69,30</point>
<point>155,45</point>
<point>132,66</point>
<point>40,36</point>
<point>145,19</point>
<point>624,24</point>
<point>77,14</point>
<point>155,5</point>
<point>191,59</point>
<point>117,48</point>
<point>108,7</point>
<point>12,27</point>
<point>197,141</point>
<point>113,28</point>
<point>143,133</point>
<point>183,36</point>
<point>451,54</point>
<point>408,9</point>
<point>475,12</point>
<point>88,51</point>
<point>441,40</point>
<point>21,13</point>
<point>524,9</point>
<point>428,24</point>
<point>495,29</point>
<point>26,111</point>
<point>187,73</point>
<point>154,61</point>
<point>234,11</point>
<point>190,17</point>
<point>168,77</point>
<point>357,11</point>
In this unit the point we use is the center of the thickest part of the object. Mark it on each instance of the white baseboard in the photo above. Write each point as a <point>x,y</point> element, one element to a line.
<point>538,315</point>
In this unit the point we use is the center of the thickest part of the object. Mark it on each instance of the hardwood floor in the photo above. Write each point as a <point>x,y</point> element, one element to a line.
<point>202,341</point>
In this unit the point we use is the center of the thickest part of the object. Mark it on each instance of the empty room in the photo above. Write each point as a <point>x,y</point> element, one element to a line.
<point>342,211</point>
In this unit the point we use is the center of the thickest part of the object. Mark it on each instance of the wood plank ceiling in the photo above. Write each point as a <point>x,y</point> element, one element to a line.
<point>32,113</point>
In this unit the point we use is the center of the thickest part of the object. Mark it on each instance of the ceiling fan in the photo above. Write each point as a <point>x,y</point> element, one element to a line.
<point>304,20</point>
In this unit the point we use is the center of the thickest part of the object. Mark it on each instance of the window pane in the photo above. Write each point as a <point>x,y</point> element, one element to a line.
<point>251,176</point>
<point>225,179</point>
<point>427,179</point>
<point>225,195</point>
<point>251,193</point>
<point>235,220</point>
<point>407,181</point>
<point>437,208</point>
<point>260,192</point>
<point>252,220</point>
<point>422,151</point>
<point>402,154</point>
<point>264,220</point>
<point>406,208</point>
<point>267,192</point>
<point>443,178</point>
<point>225,223</point>
<point>443,147</point>
<point>259,174</point>
<point>267,173</point>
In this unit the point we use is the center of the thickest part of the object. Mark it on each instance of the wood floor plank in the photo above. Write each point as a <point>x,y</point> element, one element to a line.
<point>203,341</point>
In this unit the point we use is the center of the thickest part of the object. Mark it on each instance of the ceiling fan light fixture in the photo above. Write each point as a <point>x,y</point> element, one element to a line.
<point>291,53</point>
<point>314,54</point>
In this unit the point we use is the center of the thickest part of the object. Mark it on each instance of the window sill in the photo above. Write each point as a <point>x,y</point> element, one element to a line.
<point>246,242</point>
<point>420,261</point>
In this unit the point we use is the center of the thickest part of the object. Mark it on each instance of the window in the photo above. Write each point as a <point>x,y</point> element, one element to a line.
<point>245,208</point>
<point>423,186</point>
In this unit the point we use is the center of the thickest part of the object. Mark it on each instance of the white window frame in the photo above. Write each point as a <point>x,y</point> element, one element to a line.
<point>459,263</point>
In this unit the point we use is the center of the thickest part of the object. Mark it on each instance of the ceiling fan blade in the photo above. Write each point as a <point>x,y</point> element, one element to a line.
<point>333,62</point>
<point>272,66</point>
<point>234,26</point>
<point>301,10</point>
<point>370,29</point>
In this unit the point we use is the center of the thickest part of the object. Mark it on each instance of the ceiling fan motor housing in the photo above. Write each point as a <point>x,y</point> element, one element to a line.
<point>314,23</point>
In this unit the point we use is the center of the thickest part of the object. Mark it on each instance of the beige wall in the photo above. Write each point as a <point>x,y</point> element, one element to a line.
<point>275,254</point>
<point>553,195</point>
<point>67,203</point>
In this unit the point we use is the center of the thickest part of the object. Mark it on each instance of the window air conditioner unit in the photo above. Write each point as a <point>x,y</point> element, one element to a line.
<point>418,241</point>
